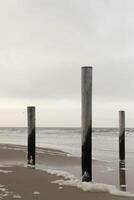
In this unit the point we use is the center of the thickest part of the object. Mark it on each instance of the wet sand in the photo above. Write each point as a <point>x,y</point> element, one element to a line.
<point>20,182</point>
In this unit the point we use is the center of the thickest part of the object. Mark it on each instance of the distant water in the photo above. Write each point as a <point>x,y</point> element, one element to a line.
<point>105,140</point>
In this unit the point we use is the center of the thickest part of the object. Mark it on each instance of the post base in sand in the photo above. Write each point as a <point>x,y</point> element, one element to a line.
<point>86,177</point>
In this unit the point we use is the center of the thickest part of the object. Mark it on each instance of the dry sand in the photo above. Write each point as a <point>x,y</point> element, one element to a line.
<point>32,184</point>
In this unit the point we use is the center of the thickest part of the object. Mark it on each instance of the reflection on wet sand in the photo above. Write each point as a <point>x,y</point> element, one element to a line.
<point>122,175</point>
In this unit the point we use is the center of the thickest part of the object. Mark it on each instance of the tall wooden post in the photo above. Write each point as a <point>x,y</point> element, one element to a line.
<point>121,135</point>
<point>86,124</point>
<point>31,135</point>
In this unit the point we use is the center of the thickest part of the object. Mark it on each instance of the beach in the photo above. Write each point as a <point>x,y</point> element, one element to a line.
<point>66,100</point>
<point>19,181</point>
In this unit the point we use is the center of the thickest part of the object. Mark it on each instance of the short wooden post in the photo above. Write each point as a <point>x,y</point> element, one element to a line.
<point>86,124</point>
<point>121,135</point>
<point>31,135</point>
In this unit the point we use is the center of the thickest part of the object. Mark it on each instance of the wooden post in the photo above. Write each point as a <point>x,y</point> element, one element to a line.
<point>121,135</point>
<point>31,135</point>
<point>122,176</point>
<point>86,124</point>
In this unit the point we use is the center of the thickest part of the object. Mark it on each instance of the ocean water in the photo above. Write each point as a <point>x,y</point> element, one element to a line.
<point>105,140</point>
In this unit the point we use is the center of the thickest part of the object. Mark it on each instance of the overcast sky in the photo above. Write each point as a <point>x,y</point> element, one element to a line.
<point>44,43</point>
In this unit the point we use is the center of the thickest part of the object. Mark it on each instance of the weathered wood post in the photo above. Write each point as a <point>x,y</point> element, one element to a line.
<point>31,135</point>
<point>122,135</point>
<point>122,175</point>
<point>86,124</point>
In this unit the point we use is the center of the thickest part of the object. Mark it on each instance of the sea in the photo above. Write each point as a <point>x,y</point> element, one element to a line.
<point>105,141</point>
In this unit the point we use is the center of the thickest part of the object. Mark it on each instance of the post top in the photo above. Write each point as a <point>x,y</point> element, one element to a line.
<point>30,106</point>
<point>87,67</point>
<point>121,111</point>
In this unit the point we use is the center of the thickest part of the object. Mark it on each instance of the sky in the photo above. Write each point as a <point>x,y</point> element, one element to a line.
<point>44,44</point>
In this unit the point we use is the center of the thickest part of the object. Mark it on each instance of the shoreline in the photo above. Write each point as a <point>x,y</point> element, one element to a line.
<point>51,164</point>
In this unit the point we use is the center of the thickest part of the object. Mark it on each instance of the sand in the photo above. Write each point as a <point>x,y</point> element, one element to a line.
<point>20,182</point>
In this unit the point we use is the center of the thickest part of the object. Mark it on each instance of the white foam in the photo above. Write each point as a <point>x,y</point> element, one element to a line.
<point>4,192</point>
<point>17,196</point>
<point>71,180</point>
<point>36,193</point>
<point>61,173</point>
<point>2,185</point>
<point>5,171</point>
<point>3,189</point>
<point>5,195</point>
<point>92,187</point>
<point>109,169</point>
